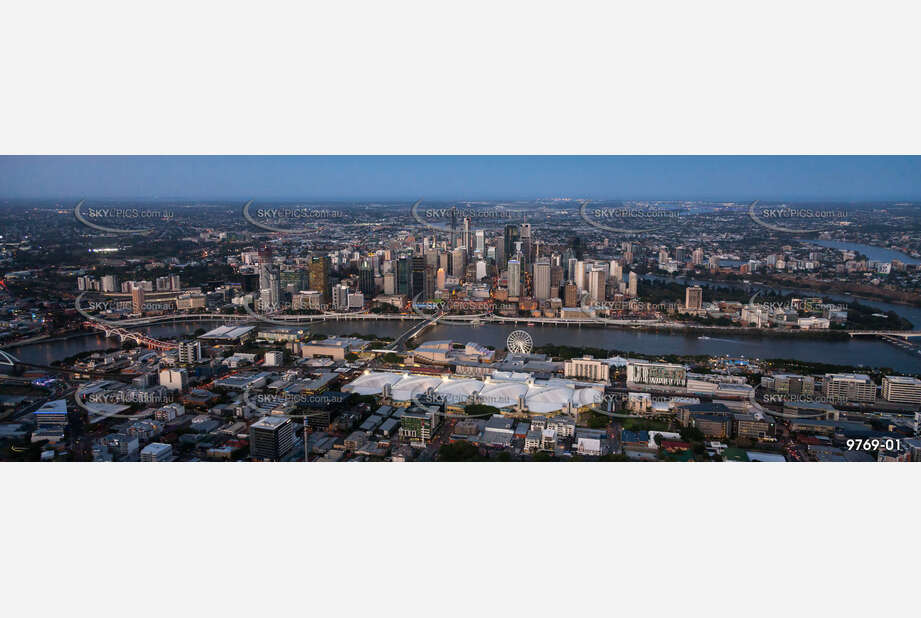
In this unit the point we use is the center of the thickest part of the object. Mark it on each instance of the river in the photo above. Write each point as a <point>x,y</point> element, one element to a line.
<point>876,254</point>
<point>865,352</point>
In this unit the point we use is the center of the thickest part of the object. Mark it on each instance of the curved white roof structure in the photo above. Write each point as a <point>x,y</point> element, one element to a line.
<point>411,385</point>
<point>502,394</point>
<point>587,397</point>
<point>458,391</point>
<point>372,383</point>
<point>546,399</point>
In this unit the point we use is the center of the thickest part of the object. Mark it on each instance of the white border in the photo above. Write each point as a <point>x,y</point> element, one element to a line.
<point>482,77</point>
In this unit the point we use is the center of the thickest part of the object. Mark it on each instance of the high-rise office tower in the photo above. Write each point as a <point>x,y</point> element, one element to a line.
<point>294,280</point>
<point>579,279</point>
<point>542,279</point>
<point>527,244</point>
<point>137,300</point>
<point>390,284</point>
<point>514,278</point>
<point>556,279</point>
<point>570,294</point>
<point>458,261</point>
<point>366,281</point>
<point>693,298</point>
<point>269,286</point>
<point>466,241</point>
<point>341,297</point>
<point>440,279</point>
<point>404,279</point>
<point>512,237</point>
<point>418,281</point>
<point>271,438</point>
<point>617,272</point>
<point>480,270</point>
<point>596,284</point>
<point>319,277</point>
<point>480,242</point>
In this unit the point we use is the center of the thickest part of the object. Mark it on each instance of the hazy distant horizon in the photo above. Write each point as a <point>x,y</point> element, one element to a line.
<point>366,179</point>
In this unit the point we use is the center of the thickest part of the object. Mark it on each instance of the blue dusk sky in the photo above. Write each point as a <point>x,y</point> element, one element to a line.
<point>384,178</point>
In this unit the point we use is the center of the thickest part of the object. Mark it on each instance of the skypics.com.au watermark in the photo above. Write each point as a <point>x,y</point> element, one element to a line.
<point>807,305</point>
<point>296,406</point>
<point>107,219</point>
<point>628,306</point>
<point>447,220</point>
<point>801,220</point>
<point>279,220</point>
<point>108,305</point>
<point>274,313</point>
<point>629,218</point>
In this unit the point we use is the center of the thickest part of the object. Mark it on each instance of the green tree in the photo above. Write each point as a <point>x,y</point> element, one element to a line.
<point>477,409</point>
<point>460,451</point>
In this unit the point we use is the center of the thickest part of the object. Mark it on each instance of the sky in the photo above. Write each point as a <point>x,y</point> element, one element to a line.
<point>386,178</point>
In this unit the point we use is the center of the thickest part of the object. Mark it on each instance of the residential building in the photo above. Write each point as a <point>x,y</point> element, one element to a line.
<point>851,387</point>
<point>902,389</point>
<point>661,374</point>
<point>587,367</point>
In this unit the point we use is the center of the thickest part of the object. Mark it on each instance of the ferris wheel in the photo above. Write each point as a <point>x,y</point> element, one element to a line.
<point>519,342</point>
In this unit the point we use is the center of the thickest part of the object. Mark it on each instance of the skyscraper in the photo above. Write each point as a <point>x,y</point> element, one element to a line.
<point>458,262</point>
<point>137,300</point>
<point>269,286</point>
<point>579,279</point>
<point>480,242</point>
<point>693,298</point>
<point>512,236</point>
<point>631,287</point>
<point>570,294</point>
<point>366,280</point>
<point>556,279</point>
<point>404,277</point>
<point>319,276</point>
<point>514,278</point>
<point>440,279</point>
<point>418,279</point>
<point>617,272</point>
<point>527,244</point>
<point>596,284</point>
<point>542,279</point>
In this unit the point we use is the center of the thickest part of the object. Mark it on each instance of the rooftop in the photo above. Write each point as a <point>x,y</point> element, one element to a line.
<point>269,422</point>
